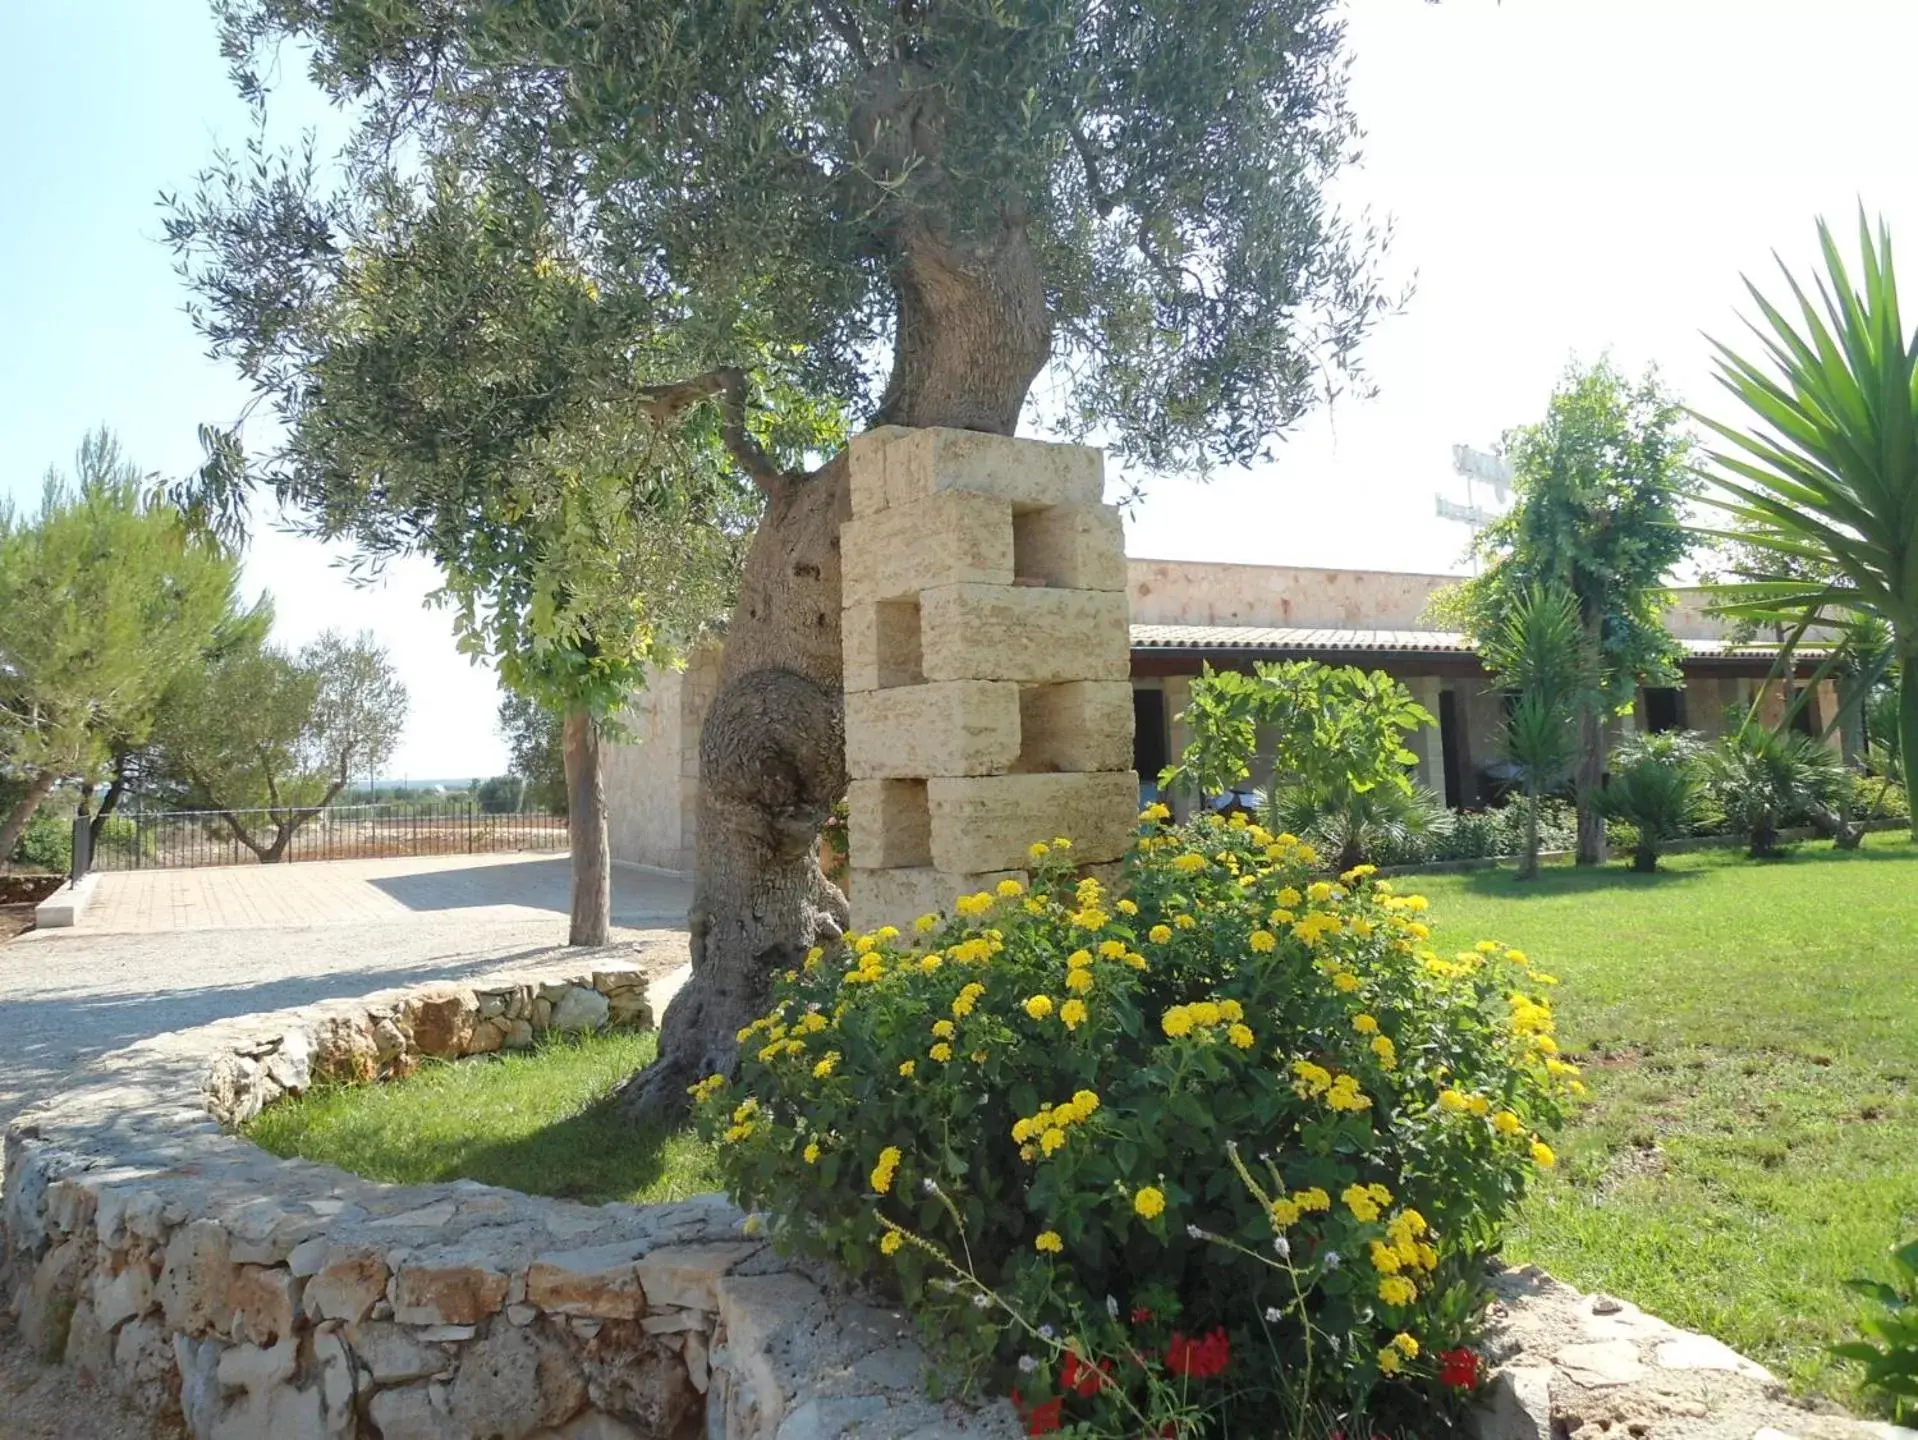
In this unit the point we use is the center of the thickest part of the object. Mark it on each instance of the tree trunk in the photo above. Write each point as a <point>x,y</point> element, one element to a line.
<point>1907,723</point>
<point>24,810</point>
<point>1645,858</point>
<point>109,802</point>
<point>1589,780</point>
<point>1528,862</point>
<point>592,913</point>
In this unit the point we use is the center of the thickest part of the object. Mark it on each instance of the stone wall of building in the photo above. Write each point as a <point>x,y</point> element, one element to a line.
<point>652,779</point>
<point>986,664</point>
<point>177,1264</point>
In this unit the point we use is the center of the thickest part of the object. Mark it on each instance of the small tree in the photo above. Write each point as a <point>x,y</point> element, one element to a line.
<point>105,597</point>
<point>1656,788</point>
<point>1337,736</point>
<point>1543,656</point>
<point>1763,780</point>
<point>1601,485</point>
<point>267,740</point>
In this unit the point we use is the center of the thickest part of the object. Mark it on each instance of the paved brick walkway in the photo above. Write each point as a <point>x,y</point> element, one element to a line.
<point>343,892</point>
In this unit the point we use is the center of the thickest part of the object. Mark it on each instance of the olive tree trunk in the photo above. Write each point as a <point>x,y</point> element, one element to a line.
<point>972,333</point>
<point>592,861</point>
<point>24,810</point>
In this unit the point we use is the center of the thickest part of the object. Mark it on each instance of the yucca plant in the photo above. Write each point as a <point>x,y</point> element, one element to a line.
<point>1826,486</point>
<point>1656,787</point>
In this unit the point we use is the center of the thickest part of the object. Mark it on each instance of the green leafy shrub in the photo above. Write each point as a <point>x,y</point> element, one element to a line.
<point>1890,1357</point>
<point>46,843</point>
<point>1763,781</point>
<point>1229,1109</point>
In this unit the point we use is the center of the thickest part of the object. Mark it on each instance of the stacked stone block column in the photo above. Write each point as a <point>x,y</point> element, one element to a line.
<point>988,699</point>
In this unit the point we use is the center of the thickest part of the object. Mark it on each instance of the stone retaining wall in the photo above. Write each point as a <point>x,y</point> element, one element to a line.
<point>186,1269</point>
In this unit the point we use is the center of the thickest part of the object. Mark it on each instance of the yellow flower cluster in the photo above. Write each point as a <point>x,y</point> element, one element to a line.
<point>705,1089</point>
<point>1044,1133</point>
<point>1203,1016</point>
<point>743,1121</point>
<point>1047,1242</point>
<point>887,1167</point>
<point>1341,1092</point>
<point>1402,1348</point>
<point>968,996</point>
<point>971,907</point>
<point>1366,1201</point>
<point>1316,926</point>
<point>1149,1201</point>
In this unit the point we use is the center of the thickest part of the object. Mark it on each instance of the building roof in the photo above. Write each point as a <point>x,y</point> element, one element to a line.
<point>1319,640</point>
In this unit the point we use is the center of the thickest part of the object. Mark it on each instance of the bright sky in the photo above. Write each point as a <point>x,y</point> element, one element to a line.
<point>1565,176</point>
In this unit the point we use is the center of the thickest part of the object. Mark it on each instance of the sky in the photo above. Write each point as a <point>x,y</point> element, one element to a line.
<point>1565,178</point>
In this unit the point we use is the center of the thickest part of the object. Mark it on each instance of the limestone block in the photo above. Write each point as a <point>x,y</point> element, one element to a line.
<point>452,1293</point>
<point>393,1355</point>
<point>580,1009</point>
<point>989,822</point>
<point>685,1275</point>
<point>346,1286</point>
<point>900,896</point>
<point>909,464</point>
<point>193,1280</point>
<point>443,1021</point>
<point>989,632</point>
<point>959,727</point>
<point>407,1412</point>
<point>47,1307</point>
<point>1078,725</point>
<point>879,645</point>
<point>123,1294</point>
<point>261,1303</point>
<point>887,823</point>
<point>866,457</point>
<point>1073,547</point>
<point>951,538</point>
<point>599,1281</point>
<point>514,1382</point>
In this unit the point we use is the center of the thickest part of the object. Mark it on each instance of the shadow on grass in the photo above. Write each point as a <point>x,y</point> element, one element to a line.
<point>1573,880</point>
<point>1675,870</point>
<point>595,1156</point>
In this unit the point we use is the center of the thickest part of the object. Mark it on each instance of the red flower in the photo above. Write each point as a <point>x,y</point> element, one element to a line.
<point>1043,1418</point>
<point>1459,1369</point>
<point>1082,1379</point>
<point>1200,1359</point>
<point>1140,1315</point>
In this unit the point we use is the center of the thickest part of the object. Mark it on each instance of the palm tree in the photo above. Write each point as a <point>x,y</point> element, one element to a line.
<point>1656,787</point>
<point>1826,484</point>
<point>1543,656</point>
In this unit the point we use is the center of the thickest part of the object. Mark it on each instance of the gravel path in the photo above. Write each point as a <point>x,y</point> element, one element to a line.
<point>69,996</point>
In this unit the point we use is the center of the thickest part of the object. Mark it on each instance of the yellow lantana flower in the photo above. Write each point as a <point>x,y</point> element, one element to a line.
<point>1073,1013</point>
<point>1038,1006</point>
<point>1149,1202</point>
<point>1159,934</point>
<point>1047,1242</point>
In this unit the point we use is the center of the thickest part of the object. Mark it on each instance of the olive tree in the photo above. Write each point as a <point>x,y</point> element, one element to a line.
<point>908,210</point>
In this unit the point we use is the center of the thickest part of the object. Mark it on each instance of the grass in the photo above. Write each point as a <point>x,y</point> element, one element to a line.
<point>529,1121</point>
<point>1750,1036</point>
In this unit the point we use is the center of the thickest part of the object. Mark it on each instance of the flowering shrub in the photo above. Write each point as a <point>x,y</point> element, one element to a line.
<point>1227,1140</point>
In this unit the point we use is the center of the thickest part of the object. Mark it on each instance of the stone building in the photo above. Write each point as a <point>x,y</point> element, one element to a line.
<point>1185,614</point>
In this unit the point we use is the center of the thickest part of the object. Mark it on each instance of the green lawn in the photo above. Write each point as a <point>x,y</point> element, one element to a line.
<point>1750,1036</point>
<point>525,1121</point>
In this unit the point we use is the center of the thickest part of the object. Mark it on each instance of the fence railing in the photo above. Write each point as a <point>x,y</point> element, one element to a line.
<point>177,839</point>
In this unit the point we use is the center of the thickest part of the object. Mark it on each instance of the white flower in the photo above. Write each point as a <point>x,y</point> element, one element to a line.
<point>1273,1314</point>
<point>1195,1232</point>
<point>1027,1364</point>
<point>1046,1332</point>
<point>1283,1246</point>
<point>1112,1308</point>
<point>1331,1259</point>
<point>1337,1344</point>
<point>982,1301</point>
<point>929,1186</point>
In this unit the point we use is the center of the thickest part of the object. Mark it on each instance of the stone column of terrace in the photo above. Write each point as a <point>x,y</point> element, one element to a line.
<point>988,699</point>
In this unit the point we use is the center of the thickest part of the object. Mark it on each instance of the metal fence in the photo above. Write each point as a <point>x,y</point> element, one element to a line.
<point>176,839</point>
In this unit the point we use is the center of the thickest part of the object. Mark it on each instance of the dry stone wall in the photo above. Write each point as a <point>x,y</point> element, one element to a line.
<point>988,700</point>
<point>181,1266</point>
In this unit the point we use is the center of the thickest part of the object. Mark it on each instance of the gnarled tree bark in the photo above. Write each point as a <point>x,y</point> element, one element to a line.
<point>973,332</point>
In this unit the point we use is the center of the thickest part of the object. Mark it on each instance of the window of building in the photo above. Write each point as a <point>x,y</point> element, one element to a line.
<point>1150,751</point>
<point>1664,708</point>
